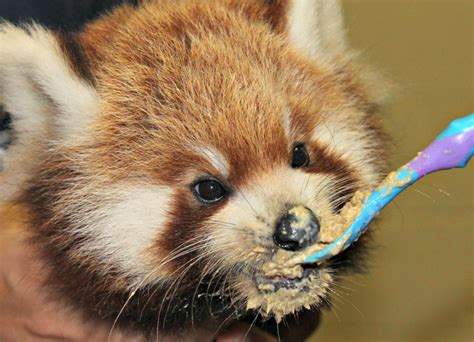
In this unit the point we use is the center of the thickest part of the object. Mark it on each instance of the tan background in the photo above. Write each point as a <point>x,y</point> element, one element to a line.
<point>420,286</point>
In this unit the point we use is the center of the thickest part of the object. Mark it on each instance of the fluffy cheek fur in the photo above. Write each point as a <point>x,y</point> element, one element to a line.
<point>110,227</point>
<point>121,231</point>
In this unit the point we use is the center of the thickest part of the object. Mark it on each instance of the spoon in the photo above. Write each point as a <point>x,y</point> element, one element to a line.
<point>451,149</point>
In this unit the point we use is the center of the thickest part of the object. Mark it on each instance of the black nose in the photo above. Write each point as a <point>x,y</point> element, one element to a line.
<point>297,229</point>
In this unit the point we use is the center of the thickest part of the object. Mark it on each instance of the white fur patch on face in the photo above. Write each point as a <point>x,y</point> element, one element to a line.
<point>215,158</point>
<point>124,228</point>
<point>348,139</point>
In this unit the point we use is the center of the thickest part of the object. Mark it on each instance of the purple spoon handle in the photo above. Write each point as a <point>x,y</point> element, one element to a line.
<point>452,148</point>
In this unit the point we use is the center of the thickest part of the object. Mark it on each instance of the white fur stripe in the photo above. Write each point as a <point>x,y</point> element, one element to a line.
<point>215,158</point>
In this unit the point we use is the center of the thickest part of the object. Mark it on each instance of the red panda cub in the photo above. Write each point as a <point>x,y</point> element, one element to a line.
<point>162,152</point>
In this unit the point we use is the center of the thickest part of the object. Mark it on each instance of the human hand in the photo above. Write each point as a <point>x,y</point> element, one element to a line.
<point>28,314</point>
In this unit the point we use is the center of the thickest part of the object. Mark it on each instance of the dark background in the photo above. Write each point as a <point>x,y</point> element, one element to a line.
<point>67,15</point>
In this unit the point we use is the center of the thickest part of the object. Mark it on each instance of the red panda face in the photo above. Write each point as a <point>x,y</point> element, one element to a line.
<point>211,134</point>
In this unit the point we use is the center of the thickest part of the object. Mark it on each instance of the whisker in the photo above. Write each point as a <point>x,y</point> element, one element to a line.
<point>248,202</point>
<point>226,320</point>
<point>330,305</point>
<point>278,332</point>
<point>131,295</point>
<point>425,195</point>
<point>436,188</point>
<point>305,185</point>
<point>251,326</point>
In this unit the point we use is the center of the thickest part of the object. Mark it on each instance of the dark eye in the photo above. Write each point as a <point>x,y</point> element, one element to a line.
<point>209,190</point>
<point>300,156</point>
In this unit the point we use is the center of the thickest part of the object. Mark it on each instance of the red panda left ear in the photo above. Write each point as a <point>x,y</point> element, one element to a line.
<point>44,98</point>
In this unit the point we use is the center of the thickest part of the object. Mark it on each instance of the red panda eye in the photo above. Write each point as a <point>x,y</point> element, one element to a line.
<point>300,156</point>
<point>209,191</point>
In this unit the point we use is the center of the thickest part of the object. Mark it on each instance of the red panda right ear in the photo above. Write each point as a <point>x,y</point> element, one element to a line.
<point>317,27</point>
<point>42,99</point>
<point>314,27</point>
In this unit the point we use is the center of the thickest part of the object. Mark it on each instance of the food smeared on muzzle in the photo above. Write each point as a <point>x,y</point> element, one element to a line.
<point>286,284</point>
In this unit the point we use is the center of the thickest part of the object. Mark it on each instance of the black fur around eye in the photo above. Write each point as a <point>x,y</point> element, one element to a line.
<point>5,129</point>
<point>209,190</point>
<point>300,156</point>
<point>5,120</point>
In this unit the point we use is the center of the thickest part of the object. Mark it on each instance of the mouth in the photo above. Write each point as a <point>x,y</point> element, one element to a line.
<point>273,284</point>
<point>278,295</point>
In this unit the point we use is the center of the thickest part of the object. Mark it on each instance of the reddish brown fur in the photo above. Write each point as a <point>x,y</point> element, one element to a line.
<point>161,91</point>
<point>170,88</point>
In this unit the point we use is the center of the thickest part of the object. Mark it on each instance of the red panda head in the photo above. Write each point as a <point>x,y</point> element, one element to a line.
<point>164,151</point>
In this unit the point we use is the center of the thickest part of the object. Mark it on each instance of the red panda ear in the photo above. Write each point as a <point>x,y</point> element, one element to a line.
<point>315,27</point>
<point>41,97</point>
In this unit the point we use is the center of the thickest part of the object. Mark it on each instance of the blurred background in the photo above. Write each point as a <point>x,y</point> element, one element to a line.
<point>420,285</point>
